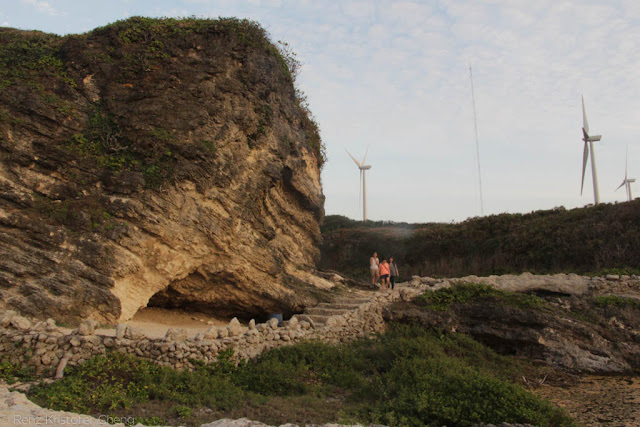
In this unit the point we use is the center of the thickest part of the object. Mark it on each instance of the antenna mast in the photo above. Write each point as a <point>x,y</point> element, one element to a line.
<point>475,124</point>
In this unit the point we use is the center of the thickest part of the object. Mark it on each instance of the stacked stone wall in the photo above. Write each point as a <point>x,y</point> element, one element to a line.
<point>46,348</point>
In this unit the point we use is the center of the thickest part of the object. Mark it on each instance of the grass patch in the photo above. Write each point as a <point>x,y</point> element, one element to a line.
<point>461,293</point>
<point>11,373</point>
<point>616,301</point>
<point>408,376</point>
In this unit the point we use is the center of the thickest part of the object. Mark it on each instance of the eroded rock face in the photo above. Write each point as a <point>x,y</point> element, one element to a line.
<point>155,160</point>
<point>574,332</point>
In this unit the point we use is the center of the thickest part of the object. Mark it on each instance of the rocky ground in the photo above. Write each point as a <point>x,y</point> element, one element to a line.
<point>569,332</point>
<point>564,324</point>
<point>154,322</point>
<point>598,400</point>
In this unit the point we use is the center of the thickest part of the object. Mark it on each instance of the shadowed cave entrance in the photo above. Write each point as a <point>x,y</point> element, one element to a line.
<point>221,296</point>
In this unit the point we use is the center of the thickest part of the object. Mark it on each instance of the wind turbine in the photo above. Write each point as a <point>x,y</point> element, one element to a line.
<point>363,181</point>
<point>589,148</point>
<point>627,181</point>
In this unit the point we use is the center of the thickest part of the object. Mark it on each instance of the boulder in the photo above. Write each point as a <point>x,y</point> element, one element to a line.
<point>50,326</point>
<point>20,322</point>
<point>211,333</point>
<point>178,335</point>
<point>273,323</point>
<point>275,190</point>
<point>121,328</point>
<point>5,320</point>
<point>235,328</point>
<point>336,321</point>
<point>87,327</point>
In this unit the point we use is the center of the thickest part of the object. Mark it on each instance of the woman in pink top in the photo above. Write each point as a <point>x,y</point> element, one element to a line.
<point>384,274</point>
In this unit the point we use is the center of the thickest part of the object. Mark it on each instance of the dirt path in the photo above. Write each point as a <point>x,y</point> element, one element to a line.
<point>155,322</point>
<point>598,400</point>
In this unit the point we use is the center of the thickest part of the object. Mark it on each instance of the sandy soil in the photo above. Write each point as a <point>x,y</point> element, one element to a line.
<point>156,321</point>
<point>598,400</point>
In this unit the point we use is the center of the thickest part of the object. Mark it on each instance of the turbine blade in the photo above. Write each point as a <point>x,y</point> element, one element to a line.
<point>354,159</point>
<point>365,156</point>
<point>585,157</point>
<point>585,124</point>
<point>623,183</point>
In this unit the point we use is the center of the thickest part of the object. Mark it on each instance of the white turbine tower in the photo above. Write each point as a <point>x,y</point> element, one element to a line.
<point>627,181</point>
<point>363,181</point>
<point>588,147</point>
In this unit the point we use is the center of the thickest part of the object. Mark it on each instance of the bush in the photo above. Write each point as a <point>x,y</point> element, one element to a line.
<point>617,301</point>
<point>114,381</point>
<point>408,376</point>
<point>11,373</point>
<point>462,293</point>
<point>600,238</point>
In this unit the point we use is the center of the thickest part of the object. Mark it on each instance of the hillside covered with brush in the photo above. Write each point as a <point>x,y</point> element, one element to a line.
<point>583,240</point>
<point>166,162</point>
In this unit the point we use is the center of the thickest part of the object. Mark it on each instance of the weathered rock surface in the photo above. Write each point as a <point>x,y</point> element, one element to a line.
<point>155,162</point>
<point>570,284</point>
<point>16,409</point>
<point>570,330</point>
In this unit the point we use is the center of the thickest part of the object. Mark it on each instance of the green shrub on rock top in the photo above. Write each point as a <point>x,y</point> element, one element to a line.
<point>461,293</point>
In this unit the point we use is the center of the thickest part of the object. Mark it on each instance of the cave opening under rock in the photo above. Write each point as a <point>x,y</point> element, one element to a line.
<point>219,296</point>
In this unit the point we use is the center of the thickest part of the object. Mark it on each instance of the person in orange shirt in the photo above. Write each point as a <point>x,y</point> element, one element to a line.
<point>384,274</point>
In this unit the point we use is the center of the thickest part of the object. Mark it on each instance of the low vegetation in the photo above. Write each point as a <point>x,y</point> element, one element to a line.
<point>617,301</point>
<point>408,376</point>
<point>601,238</point>
<point>11,373</point>
<point>462,293</point>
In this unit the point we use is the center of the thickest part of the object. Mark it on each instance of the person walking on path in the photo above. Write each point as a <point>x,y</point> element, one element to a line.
<point>393,271</point>
<point>373,266</point>
<point>384,274</point>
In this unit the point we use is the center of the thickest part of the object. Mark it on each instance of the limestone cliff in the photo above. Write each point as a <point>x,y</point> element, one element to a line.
<point>163,162</point>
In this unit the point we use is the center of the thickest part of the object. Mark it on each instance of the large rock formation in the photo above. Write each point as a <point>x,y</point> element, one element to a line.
<point>593,327</point>
<point>165,162</point>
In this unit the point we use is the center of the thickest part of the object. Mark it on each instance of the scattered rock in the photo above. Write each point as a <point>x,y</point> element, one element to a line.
<point>336,321</point>
<point>211,333</point>
<point>87,327</point>
<point>273,323</point>
<point>121,328</point>
<point>20,322</point>
<point>177,335</point>
<point>235,328</point>
<point>6,318</point>
<point>60,369</point>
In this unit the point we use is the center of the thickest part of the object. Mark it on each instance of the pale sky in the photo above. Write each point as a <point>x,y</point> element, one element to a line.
<point>394,76</point>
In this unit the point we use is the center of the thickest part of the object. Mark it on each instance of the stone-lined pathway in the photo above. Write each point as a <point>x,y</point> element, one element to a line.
<point>341,304</point>
<point>44,346</point>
